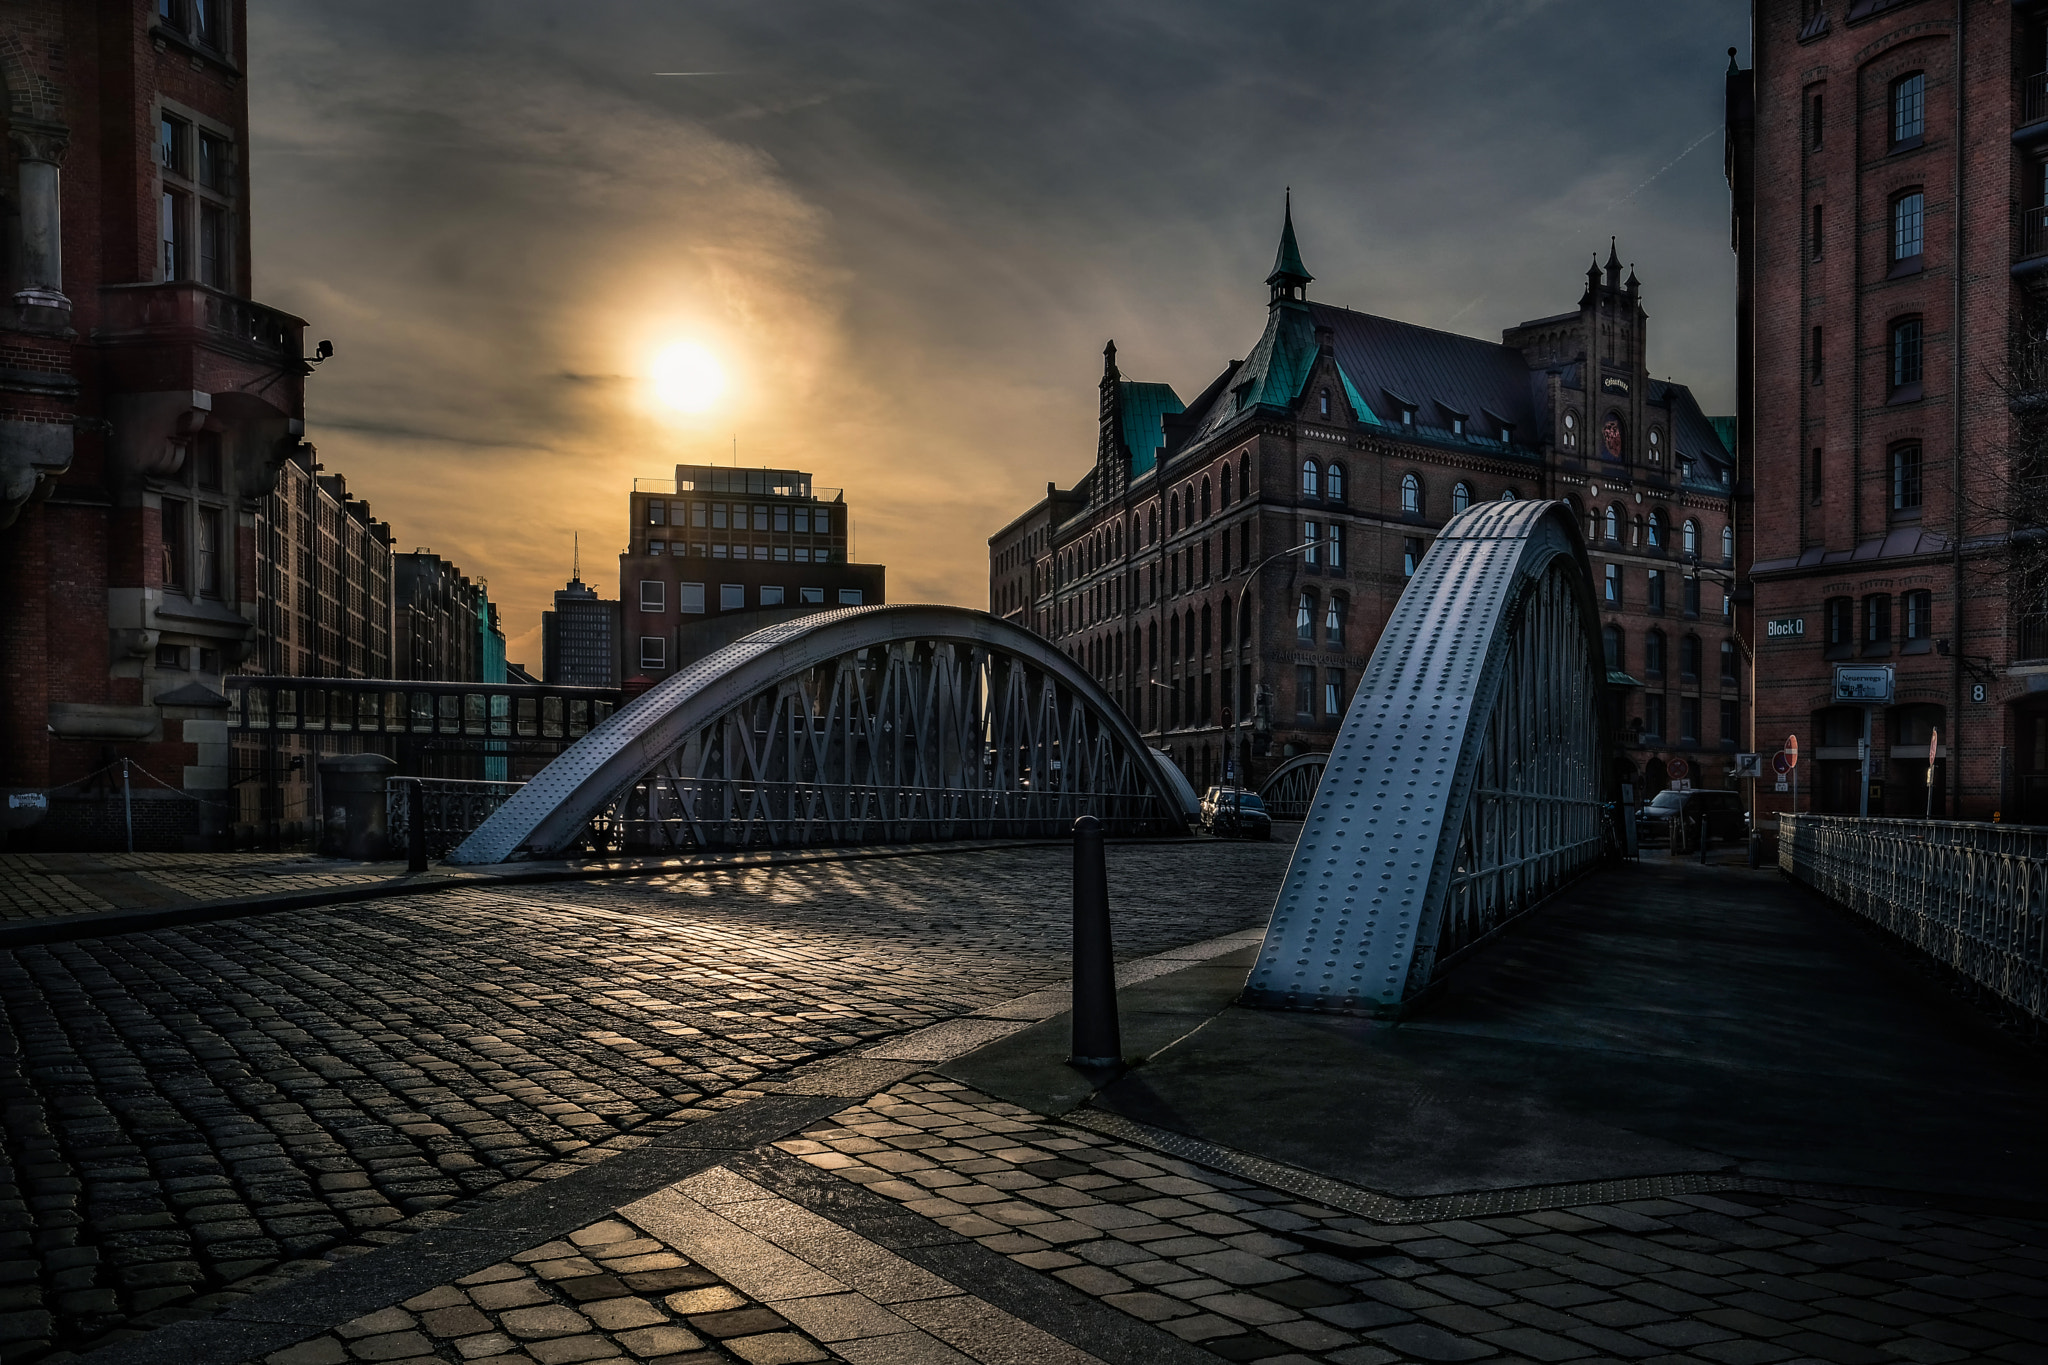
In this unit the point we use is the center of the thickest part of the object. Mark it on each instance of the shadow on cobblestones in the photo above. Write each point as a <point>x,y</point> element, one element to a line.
<point>188,1109</point>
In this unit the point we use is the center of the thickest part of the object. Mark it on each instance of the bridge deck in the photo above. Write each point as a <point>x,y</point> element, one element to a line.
<point>1658,1020</point>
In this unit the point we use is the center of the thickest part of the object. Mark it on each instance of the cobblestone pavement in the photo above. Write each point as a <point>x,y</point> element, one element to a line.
<point>41,885</point>
<point>1255,1274</point>
<point>185,1109</point>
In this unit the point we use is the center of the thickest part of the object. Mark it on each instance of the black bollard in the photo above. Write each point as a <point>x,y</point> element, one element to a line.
<point>415,825</point>
<point>1096,1039</point>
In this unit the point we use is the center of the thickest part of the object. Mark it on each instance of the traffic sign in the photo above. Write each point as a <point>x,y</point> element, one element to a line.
<point>1792,750</point>
<point>1677,768</point>
<point>1747,765</point>
<point>1781,762</point>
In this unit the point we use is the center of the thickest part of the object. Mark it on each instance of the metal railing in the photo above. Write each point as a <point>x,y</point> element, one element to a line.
<point>2034,98</point>
<point>2033,233</point>
<point>1974,897</point>
<point>453,808</point>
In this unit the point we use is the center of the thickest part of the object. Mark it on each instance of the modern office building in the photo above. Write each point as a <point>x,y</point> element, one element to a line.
<point>580,638</point>
<point>725,551</point>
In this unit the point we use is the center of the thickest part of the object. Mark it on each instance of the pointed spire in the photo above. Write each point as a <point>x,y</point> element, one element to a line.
<point>576,557</point>
<point>1613,265</point>
<point>1109,370</point>
<point>1290,277</point>
<point>1632,284</point>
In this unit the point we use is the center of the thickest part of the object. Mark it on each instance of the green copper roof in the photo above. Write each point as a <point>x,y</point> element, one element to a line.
<point>1287,264</point>
<point>1724,427</point>
<point>1144,405</point>
<point>1358,404</point>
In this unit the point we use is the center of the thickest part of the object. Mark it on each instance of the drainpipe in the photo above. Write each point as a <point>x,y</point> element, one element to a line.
<point>1955,712</point>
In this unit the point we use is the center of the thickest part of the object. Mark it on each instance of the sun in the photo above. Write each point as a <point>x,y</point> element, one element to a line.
<point>686,377</point>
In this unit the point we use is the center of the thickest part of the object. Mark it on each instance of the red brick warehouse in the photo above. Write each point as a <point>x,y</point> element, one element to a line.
<point>146,405</point>
<point>1878,153</point>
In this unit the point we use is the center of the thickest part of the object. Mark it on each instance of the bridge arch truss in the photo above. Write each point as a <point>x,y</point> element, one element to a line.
<point>1467,781</point>
<point>861,725</point>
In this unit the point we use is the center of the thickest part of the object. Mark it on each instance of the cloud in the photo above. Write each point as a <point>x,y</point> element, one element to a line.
<point>908,230</point>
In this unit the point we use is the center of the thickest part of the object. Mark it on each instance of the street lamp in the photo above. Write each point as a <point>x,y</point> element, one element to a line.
<point>1237,617</point>
<point>1690,567</point>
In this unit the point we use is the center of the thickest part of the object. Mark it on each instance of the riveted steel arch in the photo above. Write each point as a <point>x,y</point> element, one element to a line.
<point>1466,783</point>
<point>865,724</point>
<point>1291,789</point>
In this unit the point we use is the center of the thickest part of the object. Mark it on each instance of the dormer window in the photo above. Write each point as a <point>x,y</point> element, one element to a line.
<point>1457,426</point>
<point>1407,417</point>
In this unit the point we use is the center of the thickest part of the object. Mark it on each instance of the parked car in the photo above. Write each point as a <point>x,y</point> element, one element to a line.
<point>1232,813</point>
<point>1724,811</point>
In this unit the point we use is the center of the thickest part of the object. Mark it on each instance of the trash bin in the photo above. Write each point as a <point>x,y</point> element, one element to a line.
<point>353,823</point>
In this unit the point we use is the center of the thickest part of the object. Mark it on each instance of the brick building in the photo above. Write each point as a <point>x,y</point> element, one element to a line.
<point>1237,555</point>
<point>146,409</point>
<point>729,551</point>
<point>1876,153</point>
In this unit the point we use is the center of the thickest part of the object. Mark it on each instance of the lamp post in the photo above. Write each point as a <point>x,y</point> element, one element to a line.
<point>1690,567</point>
<point>1237,617</point>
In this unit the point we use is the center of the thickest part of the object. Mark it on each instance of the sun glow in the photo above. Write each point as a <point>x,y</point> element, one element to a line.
<point>686,377</point>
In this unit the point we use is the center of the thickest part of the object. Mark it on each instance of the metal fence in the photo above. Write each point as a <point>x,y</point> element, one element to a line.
<point>453,808</point>
<point>1973,897</point>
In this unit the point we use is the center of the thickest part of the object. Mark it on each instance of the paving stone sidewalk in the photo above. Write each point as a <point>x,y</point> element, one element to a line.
<point>1253,1273</point>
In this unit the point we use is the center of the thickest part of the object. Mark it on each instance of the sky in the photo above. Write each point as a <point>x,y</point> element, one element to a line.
<point>904,231</point>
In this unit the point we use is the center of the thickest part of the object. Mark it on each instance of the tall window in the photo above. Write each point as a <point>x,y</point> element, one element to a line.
<point>1305,618</point>
<point>1656,528</point>
<point>1304,692</point>
<point>1224,490</point>
<point>1813,484</point>
<point>1906,479</point>
<point>1877,622</point>
<point>1689,658</point>
<point>1610,643</point>
<point>1324,399</point>
<point>1727,661</point>
<point>1333,693</point>
<point>1690,537</point>
<point>1909,109</point>
<point>1814,240</point>
<point>1411,495</point>
<point>1688,720</point>
<point>1333,543</point>
<point>1917,608</point>
<point>1612,581</point>
<point>1461,497</point>
<point>194,224</point>
<point>1205,499</point>
<point>1727,544</point>
<point>1613,525</point>
<point>1653,715</point>
<point>1333,619</point>
<point>1310,478</point>
<point>1411,555</point>
<point>1841,612</point>
<point>1656,592</point>
<point>1814,123</point>
<point>1333,483</point>
<point>1906,358</point>
<point>177,556</point>
<point>1653,654</point>
<point>1309,539</point>
<point>1909,227</point>
<point>1571,431</point>
<point>1816,356</point>
<point>209,547</point>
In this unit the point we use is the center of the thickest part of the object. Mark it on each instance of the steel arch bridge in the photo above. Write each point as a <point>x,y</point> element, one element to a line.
<point>1467,781</point>
<point>1291,789</point>
<point>861,725</point>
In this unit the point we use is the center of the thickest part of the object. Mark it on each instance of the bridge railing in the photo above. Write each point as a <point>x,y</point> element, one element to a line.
<point>453,808</point>
<point>1974,897</point>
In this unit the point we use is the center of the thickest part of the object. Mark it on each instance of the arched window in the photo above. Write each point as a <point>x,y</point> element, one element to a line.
<point>1613,526</point>
<point>1656,528</point>
<point>1507,495</point>
<point>1309,479</point>
<point>1690,537</point>
<point>1333,483</point>
<point>1189,637</point>
<point>1325,399</point>
<point>1244,622</point>
<point>1909,108</point>
<point>1224,490</point>
<point>1208,624</point>
<point>1173,637</point>
<point>1244,475</point>
<point>1333,619</point>
<point>1172,513</point>
<point>1411,495</point>
<point>1461,497</point>
<point>1727,544</point>
<point>1611,645</point>
<point>1305,618</point>
<point>1152,529</point>
<point>1656,446</point>
<point>1571,431</point>
<point>1205,497</point>
<point>1653,654</point>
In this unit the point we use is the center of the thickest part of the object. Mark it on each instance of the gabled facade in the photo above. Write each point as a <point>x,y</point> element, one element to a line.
<point>1235,557</point>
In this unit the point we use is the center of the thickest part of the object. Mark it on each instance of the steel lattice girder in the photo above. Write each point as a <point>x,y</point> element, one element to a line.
<point>1292,786</point>
<point>847,724</point>
<point>1467,780</point>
